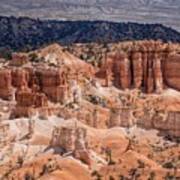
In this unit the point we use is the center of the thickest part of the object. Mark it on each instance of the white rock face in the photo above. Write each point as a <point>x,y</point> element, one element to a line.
<point>75,92</point>
<point>51,59</point>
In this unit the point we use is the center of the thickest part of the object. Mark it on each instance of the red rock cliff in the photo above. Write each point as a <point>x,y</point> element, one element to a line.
<point>149,66</point>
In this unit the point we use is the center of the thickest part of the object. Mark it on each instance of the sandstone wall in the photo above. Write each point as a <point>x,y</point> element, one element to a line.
<point>172,71</point>
<point>20,77</point>
<point>149,66</point>
<point>54,84</point>
<point>170,124</point>
<point>6,91</point>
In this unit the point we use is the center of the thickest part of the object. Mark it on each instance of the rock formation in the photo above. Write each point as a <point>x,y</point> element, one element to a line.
<point>171,71</point>
<point>146,66</point>
<point>28,102</point>
<point>60,88</point>
<point>19,59</point>
<point>121,117</point>
<point>20,77</point>
<point>6,91</point>
<point>69,139</point>
<point>167,122</point>
<point>4,136</point>
<point>72,140</point>
<point>54,84</point>
<point>66,125</point>
<point>37,83</point>
<point>64,138</point>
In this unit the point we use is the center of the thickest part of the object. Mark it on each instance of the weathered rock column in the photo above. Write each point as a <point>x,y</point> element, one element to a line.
<point>67,138</point>
<point>6,89</point>
<point>137,69</point>
<point>158,74</point>
<point>80,142</point>
<point>121,70</point>
<point>150,81</point>
<point>126,117</point>
<point>20,77</point>
<point>114,117</point>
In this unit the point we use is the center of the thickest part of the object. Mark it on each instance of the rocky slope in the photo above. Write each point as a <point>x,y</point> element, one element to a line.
<point>61,116</point>
<point>52,75</point>
<point>142,11</point>
<point>25,33</point>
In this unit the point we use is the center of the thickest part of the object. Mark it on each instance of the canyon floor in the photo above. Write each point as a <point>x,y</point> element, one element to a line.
<point>91,111</point>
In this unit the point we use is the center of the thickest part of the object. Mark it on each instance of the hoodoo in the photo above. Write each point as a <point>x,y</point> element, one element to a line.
<point>146,66</point>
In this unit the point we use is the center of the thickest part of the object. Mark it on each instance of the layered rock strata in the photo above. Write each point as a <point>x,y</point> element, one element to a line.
<point>68,90</point>
<point>28,103</point>
<point>149,66</point>
<point>6,88</point>
<point>72,140</point>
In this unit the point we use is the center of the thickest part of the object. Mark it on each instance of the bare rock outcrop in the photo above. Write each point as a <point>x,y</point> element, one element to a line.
<point>28,102</point>
<point>19,59</point>
<point>72,140</point>
<point>171,71</point>
<point>54,84</point>
<point>168,122</point>
<point>149,66</point>
<point>6,89</point>
<point>68,87</point>
<point>34,83</point>
<point>20,77</point>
